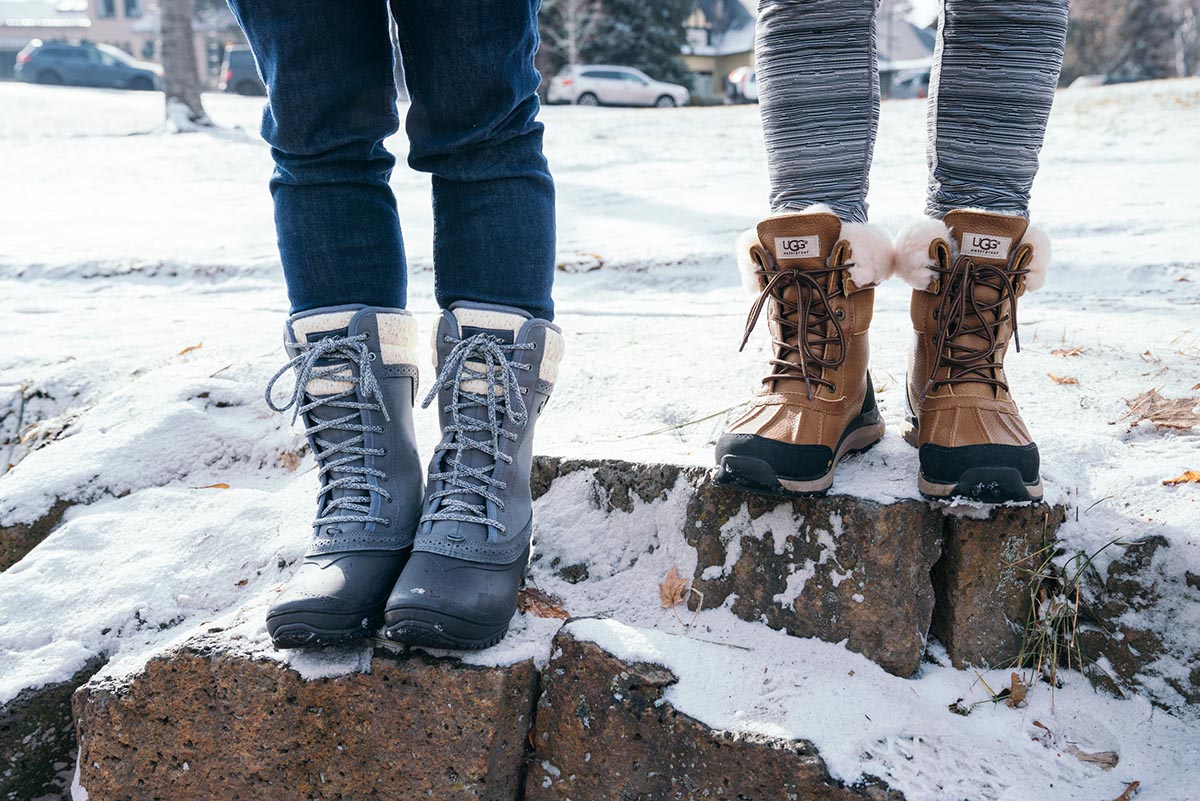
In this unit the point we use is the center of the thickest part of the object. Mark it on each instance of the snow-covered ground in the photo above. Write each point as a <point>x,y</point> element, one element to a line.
<point>141,315</point>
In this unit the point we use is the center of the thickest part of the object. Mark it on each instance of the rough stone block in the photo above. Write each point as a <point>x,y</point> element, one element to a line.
<point>37,740</point>
<point>983,581</point>
<point>199,723</point>
<point>603,732</point>
<point>836,568</point>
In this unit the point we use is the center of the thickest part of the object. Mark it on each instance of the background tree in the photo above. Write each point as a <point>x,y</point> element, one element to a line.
<point>566,27</point>
<point>177,48</point>
<point>647,34</point>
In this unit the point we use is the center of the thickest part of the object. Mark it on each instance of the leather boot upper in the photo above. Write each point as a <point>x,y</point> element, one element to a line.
<point>964,316</point>
<point>818,315</point>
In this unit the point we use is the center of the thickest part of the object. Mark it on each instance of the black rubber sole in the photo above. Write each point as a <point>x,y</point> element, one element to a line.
<point>758,476</point>
<point>295,631</point>
<point>426,634</point>
<point>990,485</point>
<point>432,629</point>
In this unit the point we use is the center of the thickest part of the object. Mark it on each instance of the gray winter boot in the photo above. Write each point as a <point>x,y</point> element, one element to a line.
<point>356,381</point>
<point>496,370</point>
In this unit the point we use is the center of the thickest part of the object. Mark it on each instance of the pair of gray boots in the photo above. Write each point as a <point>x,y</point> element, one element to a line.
<point>439,565</point>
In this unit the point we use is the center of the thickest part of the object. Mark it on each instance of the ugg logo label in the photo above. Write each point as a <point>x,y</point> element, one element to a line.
<point>986,246</point>
<point>797,247</point>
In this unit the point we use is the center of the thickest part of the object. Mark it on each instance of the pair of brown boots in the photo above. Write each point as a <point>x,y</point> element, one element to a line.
<point>815,277</point>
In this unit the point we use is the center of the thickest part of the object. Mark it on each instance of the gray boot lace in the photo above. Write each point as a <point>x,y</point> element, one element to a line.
<point>343,458</point>
<point>456,477</point>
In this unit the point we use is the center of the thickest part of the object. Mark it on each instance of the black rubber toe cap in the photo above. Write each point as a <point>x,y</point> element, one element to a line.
<point>788,460</point>
<point>334,597</point>
<point>947,465</point>
<point>446,602</point>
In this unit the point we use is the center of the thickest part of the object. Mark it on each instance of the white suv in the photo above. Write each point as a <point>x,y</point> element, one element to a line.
<point>602,84</point>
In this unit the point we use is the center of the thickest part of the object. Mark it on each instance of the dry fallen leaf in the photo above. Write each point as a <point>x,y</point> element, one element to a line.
<point>1104,759</point>
<point>191,348</point>
<point>289,460</point>
<point>1130,789</point>
<point>1016,692</point>
<point>1178,413</point>
<point>242,583</point>
<point>539,603</point>
<point>672,589</point>
<point>1061,379</point>
<point>1067,352</point>
<point>221,485</point>
<point>1187,477</point>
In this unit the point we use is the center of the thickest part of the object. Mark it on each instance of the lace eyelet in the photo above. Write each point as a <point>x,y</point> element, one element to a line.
<point>383,453</point>
<point>840,314</point>
<point>387,523</point>
<point>371,356</point>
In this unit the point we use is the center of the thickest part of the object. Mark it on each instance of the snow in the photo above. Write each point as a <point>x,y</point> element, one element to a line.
<point>740,677</point>
<point>122,250</point>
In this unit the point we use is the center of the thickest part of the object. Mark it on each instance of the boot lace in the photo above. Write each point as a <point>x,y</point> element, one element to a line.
<point>478,361</point>
<point>967,328</point>
<point>342,466</point>
<point>803,324</point>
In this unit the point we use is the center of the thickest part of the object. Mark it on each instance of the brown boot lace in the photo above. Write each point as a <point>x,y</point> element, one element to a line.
<point>812,311</point>
<point>968,327</point>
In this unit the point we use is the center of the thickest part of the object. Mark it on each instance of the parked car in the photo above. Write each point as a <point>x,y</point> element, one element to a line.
<point>239,74</point>
<point>607,85</point>
<point>742,86</point>
<point>85,64</point>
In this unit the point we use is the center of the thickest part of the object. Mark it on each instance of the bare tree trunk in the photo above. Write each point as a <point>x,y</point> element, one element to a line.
<point>177,46</point>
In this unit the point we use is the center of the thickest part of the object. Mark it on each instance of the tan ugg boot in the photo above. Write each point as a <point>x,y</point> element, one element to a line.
<point>968,272</point>
<point>815,279</point>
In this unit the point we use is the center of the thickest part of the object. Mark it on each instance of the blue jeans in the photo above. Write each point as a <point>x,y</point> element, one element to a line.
<point>329,68</point>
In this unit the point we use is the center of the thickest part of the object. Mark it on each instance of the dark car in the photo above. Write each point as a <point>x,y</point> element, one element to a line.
<point>85,64</point>
<point>238,73</point>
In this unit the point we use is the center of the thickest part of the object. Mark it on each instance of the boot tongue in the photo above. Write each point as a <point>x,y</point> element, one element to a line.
<point>502,326</point>
<point>802,241</point>
<point>986,237</point>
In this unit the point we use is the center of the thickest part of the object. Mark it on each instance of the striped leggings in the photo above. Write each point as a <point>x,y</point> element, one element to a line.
<point>995,69</point>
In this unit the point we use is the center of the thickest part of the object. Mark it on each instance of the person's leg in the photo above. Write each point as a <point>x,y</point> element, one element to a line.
<point>995,71</point>
<point>470,73</point>
<point>473,127</point>
<point>328,68</point>
<point>815,262</point>
<point>819,100</point>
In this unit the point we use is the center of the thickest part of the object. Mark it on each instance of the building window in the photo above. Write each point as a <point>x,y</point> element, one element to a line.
<point>106,9</point>
<point>133,8</point>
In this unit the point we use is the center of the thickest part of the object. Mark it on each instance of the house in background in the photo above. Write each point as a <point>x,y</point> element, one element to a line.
<point>131,25</point>
<point>720,38</point>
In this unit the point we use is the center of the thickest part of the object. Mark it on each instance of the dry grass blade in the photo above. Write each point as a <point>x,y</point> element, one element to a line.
<point>1062,379</point>
<point>1177,413</point>
<point>219,485</point>
<point>1187,477</point>
<point>1104,759</point>
<point>191,348</point>
<point>1067,352</point>
<point>672,589</point>
<point>539,603</point>
<point>1130,789</point>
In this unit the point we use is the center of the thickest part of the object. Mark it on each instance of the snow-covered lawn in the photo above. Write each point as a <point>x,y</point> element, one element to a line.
<point>140,298</point>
